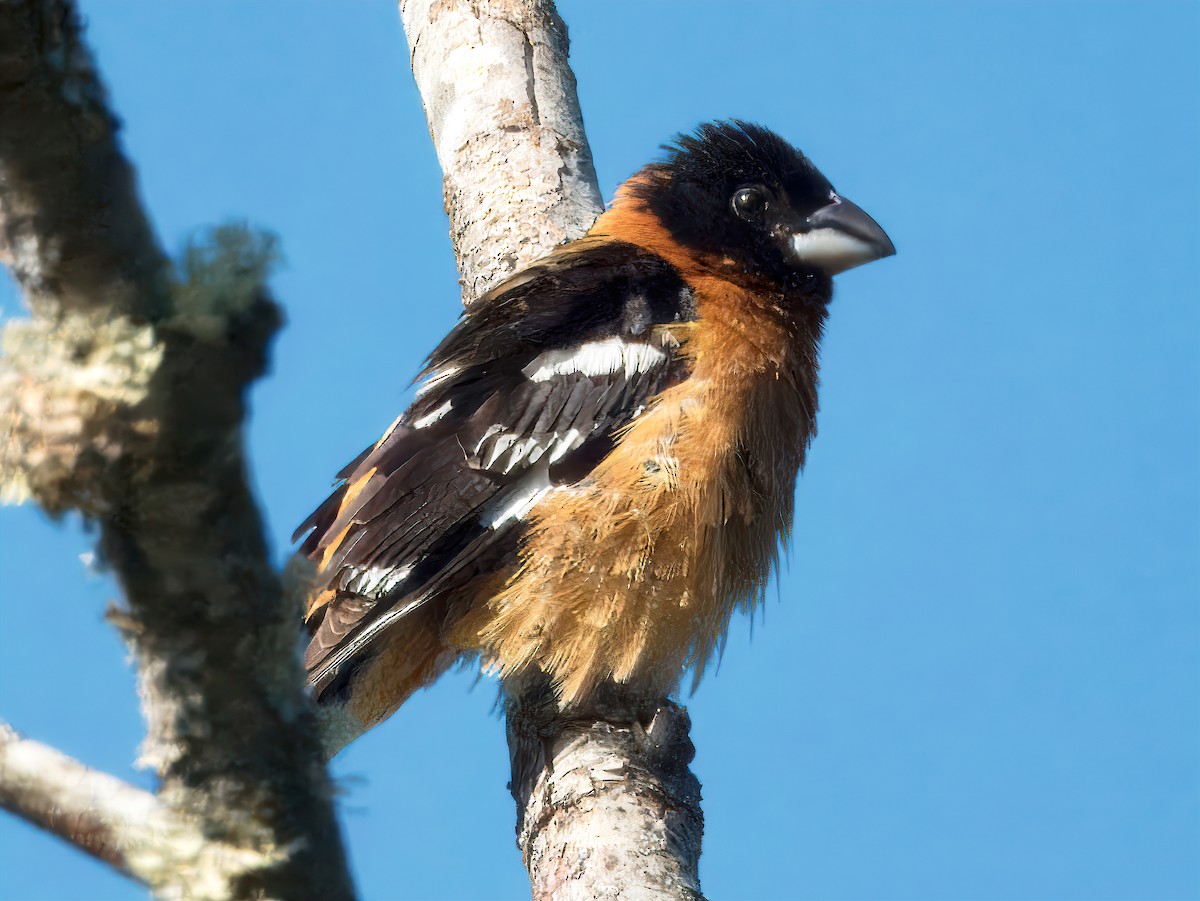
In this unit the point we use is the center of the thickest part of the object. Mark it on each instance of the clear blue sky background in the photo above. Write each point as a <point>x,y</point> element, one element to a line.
<point>978,677</point>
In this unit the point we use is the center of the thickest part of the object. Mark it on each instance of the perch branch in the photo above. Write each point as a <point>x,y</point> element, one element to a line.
<point>606,804</point>
<point>518,178</point>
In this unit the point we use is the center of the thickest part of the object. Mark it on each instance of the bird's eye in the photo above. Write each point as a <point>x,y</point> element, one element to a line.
<point>750,203</point>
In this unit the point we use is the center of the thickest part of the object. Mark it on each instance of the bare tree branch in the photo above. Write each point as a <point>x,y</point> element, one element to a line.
<point>518,178</point>
<point>606,804</point>
<point>123,398</point>
<point>98,813</point>
<point>113,821</point>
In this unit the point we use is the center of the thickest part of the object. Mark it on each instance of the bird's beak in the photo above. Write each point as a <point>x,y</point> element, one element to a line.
<point>840,236</point>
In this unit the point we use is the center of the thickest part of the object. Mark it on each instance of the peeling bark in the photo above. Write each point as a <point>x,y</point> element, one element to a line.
<point>606,804</point>
<point>123,397</point>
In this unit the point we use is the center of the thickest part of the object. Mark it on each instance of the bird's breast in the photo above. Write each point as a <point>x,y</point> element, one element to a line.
<point>637,569</point>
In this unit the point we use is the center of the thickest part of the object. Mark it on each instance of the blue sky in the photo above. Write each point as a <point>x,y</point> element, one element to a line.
<point>978,676</point>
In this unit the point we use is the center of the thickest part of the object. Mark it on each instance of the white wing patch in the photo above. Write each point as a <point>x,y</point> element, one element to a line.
<point>508,451</point>
<point>436,379</point>
<point>567,442</point>
<point>527,448</point>
<point>374,581</point>
<point>596,358</point>
<point>503,443</point>
<point>430,418</point>
<point>516,503</point>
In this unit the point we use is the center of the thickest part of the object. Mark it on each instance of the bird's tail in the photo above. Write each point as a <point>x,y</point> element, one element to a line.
<point>411,655</point>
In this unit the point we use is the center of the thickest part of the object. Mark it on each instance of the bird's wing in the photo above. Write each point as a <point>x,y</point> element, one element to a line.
<point>527,392</point>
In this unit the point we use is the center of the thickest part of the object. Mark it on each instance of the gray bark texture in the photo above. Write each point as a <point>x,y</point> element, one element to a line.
<point>503,113</point>
<point>606,804</point>
<point>123,397</point>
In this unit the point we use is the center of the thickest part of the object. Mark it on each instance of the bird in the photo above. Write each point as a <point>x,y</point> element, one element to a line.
<point>599,466</point>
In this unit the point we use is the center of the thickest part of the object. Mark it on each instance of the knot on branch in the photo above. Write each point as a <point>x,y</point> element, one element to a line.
<point>620,743</point>
<point>617,768</point>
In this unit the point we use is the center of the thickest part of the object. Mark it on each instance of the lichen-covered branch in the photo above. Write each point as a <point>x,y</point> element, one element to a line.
<point>123,397</point>
<point>126,827</point>
<point>96,812</point>
<point>607,806</point>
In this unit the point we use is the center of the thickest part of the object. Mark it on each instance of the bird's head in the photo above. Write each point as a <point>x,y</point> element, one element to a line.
<point>741,195</point>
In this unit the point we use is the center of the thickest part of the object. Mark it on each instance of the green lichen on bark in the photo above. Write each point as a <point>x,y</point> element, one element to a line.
<point>73,394</point>
<point>77,400</point>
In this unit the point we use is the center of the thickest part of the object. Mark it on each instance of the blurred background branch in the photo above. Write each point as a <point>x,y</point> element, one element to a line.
<point>123,398</point>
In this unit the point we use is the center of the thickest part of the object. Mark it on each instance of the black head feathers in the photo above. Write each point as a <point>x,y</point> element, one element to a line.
<point>743,198</point>
<point>735,152</point>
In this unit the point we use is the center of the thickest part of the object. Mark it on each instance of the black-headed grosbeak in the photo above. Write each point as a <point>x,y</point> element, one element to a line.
<point>600,464</point>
